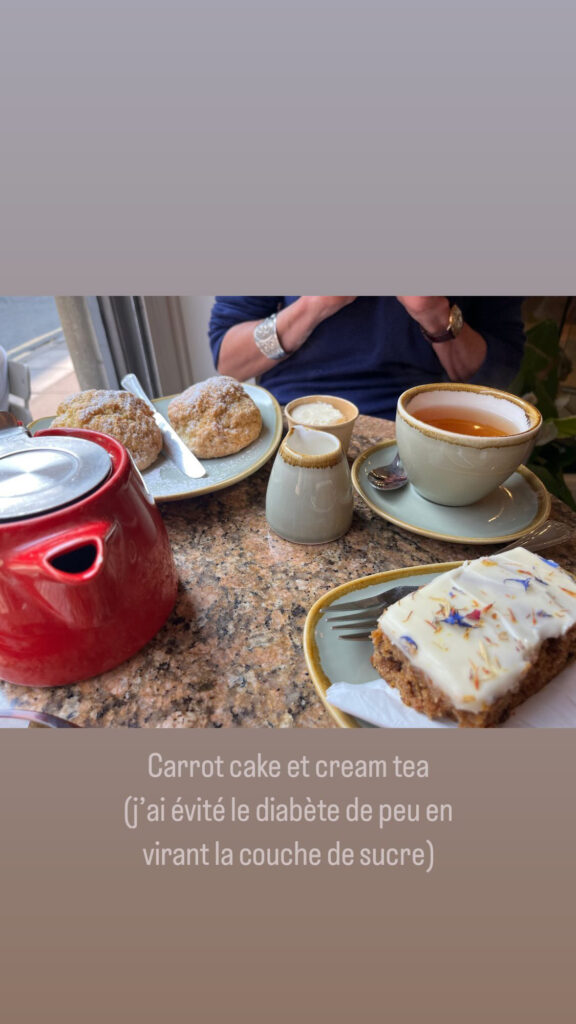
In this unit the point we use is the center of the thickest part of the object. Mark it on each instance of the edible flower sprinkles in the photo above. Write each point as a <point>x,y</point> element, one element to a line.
<point>475,630</point>
<point>467,619</point>
<point>523,583</point>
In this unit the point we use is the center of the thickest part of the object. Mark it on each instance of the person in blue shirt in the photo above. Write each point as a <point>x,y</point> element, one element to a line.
<point>368,349</point>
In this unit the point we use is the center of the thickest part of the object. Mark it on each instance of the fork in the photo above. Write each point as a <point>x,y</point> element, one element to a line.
<point>362,615</point>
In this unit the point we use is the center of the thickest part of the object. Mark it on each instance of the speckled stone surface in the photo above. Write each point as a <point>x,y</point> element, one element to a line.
<point>231,651</point>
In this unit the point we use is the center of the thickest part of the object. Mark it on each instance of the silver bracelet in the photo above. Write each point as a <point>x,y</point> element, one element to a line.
<point>267,339</point>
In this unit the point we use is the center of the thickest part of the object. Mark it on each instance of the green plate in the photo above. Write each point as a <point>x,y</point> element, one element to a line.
<point>165,481</point>
<point>330,658</point>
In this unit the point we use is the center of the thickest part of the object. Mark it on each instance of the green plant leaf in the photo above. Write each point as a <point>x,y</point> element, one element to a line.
<point>539,377</point>
<point>539,371</point>
<point>566,426</point>
<point>556,485</point>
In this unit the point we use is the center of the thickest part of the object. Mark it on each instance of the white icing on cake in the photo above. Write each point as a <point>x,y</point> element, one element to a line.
<point>477,629</point>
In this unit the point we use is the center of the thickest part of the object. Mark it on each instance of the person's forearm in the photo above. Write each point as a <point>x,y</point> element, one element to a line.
<point>463,356</point>
<point>241,358</point>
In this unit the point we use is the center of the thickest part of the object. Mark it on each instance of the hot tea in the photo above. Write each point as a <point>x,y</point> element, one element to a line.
<point>461,420</point>
<point>459,442</point>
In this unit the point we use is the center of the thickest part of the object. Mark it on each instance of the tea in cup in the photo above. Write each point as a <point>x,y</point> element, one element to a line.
<point>309,499</point>
<point>458,442</point>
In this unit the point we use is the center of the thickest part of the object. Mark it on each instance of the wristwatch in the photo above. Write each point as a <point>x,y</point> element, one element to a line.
<point>455,325</point>
<point>267,339</point>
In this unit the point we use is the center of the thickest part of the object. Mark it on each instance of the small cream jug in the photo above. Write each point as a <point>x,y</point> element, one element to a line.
<point>309,498</point>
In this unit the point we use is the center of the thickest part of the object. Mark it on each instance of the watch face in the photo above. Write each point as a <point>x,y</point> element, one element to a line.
<point>456,321</point>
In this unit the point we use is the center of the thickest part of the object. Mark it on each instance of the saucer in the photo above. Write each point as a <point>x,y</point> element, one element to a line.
<point>520,504</point>
<point>165,481</point>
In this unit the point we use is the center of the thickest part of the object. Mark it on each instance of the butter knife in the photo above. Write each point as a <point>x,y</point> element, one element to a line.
<point>174,446</point>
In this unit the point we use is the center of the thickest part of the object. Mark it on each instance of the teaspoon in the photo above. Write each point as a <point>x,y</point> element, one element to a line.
<point>389,477</point>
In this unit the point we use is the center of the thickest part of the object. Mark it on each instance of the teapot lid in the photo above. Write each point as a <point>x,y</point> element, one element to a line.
<point>42,474</point>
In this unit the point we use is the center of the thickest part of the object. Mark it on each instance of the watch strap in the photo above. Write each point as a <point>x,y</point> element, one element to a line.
<point>455,324</point>
<point>435,338</point>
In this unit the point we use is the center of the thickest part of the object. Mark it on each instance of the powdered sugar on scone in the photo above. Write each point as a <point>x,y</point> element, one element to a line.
<point>215,417</point>
<point>120,415</point>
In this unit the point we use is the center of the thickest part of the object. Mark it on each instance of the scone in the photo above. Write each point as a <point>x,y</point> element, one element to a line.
<point>215,417</point>
<point>120,415</point>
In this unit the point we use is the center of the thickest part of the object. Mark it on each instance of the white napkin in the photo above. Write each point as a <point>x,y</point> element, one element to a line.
<point>379,704</point>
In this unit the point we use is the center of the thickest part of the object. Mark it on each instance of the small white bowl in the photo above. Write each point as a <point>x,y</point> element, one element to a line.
<point>453,468</point>
<point>342,429</point>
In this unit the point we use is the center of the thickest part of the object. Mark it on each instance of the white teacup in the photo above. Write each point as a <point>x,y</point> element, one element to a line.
<point>458,442</point>
<point>309,499</point>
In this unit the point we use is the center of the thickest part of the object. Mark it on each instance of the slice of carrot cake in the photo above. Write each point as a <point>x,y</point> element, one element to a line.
<point>479,639</point>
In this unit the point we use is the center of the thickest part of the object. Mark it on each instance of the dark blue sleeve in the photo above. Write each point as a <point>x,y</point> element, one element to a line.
<point>229,310</point>
<point>499,321</point>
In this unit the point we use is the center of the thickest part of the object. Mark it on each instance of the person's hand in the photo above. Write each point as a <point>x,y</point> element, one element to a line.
<point>432,312</point>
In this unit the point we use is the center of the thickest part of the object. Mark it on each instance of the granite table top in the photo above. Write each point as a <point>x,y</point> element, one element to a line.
<point>231,652</point>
